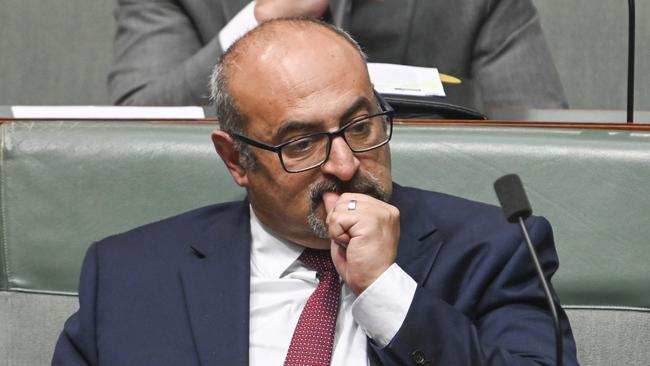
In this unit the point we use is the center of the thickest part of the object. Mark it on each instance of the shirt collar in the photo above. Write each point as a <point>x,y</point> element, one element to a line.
<point>271,256</point>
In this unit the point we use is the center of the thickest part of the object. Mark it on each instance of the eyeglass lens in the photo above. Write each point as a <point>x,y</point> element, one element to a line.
<point>310,151</point>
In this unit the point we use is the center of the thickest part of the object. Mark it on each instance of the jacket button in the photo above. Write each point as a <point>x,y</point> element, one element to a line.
<point>418,357</point>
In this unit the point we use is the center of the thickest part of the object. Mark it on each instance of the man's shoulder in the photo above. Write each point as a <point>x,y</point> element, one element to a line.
<point>440,204</point>
<point>187,227</point>
<point>458,216</point>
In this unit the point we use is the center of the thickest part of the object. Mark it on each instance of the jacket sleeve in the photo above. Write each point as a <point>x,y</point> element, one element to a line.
<point>159,56</point>
<point>508,325</point>
<point>511,61</point>
<point>77,343</point>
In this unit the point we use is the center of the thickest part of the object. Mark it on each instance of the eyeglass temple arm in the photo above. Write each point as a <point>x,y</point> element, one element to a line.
<point>382,102</point>
<point>255,143</point>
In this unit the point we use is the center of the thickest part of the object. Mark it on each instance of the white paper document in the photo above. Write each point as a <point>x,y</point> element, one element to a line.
<point>106,112</point>
<point>406,80</point>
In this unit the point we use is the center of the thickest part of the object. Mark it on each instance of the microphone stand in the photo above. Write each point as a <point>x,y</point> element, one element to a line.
<point>559,347</point>
<point>630,63</point>
<point>516,207</point>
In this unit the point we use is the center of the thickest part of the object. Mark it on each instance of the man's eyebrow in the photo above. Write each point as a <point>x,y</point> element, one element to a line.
<point>288,127</point>
<point>360,103</point>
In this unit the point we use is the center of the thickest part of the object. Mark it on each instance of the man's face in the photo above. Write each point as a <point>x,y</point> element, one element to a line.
<point>294,88</point>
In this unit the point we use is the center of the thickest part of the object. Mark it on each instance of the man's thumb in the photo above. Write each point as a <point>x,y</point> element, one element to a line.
<point>329,200</point>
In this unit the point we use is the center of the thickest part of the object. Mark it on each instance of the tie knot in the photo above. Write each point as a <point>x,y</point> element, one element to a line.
<point>319,260</point>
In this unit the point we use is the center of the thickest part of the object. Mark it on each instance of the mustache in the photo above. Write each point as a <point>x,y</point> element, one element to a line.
<point>361,182</point>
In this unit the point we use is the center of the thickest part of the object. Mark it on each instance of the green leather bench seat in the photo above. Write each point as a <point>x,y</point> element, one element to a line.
<point>65,184</point>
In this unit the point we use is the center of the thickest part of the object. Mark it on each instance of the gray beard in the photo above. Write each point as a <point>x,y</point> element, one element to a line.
<point>362,182</point>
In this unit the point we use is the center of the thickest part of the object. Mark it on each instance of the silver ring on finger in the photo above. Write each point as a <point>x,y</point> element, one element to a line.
<point>352,205</point>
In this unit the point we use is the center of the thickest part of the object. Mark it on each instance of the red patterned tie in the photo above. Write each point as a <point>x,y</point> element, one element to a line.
<point>313,337</point>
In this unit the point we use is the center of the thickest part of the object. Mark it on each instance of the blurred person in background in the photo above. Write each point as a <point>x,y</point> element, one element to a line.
<point>164,50</point>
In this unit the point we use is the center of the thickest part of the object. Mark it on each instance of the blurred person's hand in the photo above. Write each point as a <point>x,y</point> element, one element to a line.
<point>271,9</point>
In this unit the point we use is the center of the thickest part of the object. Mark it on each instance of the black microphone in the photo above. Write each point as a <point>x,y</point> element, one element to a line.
<point>516,207</point>
<point>630,62</point>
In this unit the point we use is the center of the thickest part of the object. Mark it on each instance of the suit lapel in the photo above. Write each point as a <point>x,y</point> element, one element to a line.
<point>418,245</point>
<point>216,283</point>
<point>419,238</point>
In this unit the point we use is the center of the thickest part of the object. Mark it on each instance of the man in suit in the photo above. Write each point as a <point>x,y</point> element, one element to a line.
<point>165,49</point>
<point>420,278</point>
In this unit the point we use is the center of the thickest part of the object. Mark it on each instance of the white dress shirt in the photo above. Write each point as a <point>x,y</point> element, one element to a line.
<point>238,26</point>
<point>281,285</point>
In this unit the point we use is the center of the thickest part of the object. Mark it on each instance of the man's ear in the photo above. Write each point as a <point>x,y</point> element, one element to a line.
<point>225,146</point>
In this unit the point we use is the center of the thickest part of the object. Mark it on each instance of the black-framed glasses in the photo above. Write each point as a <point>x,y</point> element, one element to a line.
<point>310,151</point>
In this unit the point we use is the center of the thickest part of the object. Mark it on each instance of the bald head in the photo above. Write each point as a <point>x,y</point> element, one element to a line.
<point>277,32</point>
<point>275,60</point>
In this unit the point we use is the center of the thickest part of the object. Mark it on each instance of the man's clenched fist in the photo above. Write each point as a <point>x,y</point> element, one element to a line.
<point>363,240</point>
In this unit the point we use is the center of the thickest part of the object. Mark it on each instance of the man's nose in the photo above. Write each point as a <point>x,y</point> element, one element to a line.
<point>342,162</point>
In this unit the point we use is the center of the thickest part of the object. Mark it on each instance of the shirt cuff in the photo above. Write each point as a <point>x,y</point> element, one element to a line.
<point>381,309</point>
<point>238,26</point>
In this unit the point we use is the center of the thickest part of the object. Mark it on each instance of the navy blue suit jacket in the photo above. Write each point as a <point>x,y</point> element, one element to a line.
<point>176,292</point>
